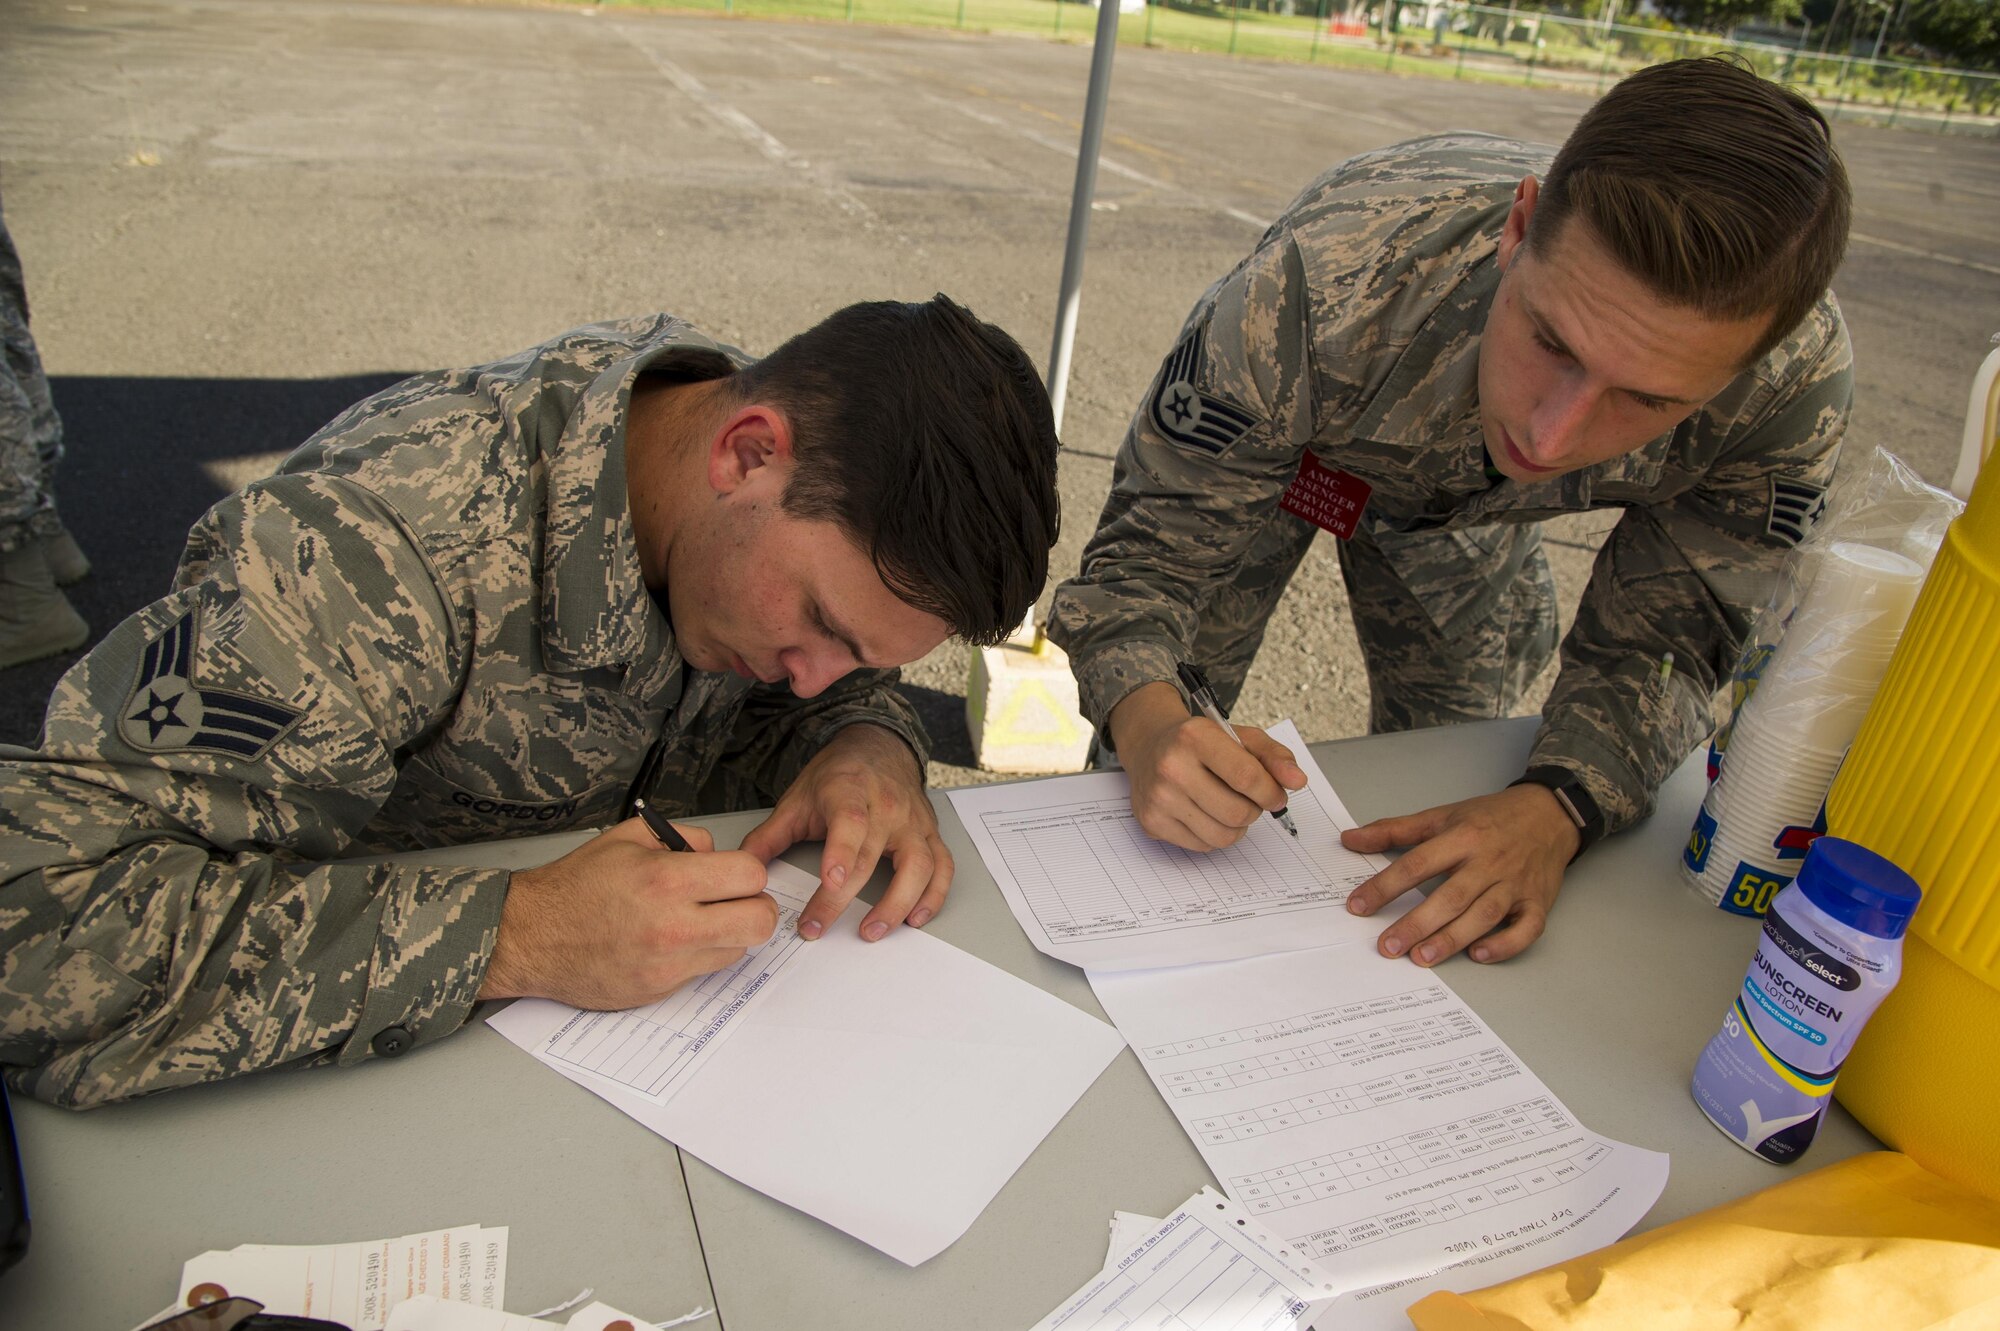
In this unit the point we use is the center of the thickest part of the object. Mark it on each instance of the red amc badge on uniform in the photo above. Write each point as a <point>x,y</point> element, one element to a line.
<point>1330,500</point>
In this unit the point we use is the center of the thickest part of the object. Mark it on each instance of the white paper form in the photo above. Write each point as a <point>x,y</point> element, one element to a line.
<point>1091,888</point>
<point>1128,1230</point>
<point>889,1089</point>
<point>428,1314</point>
<point>1359,1108</point>
<point>358,1284</point>
<point>425,1313</point>
<point>1207,1267</point>
<point>655,1049</point>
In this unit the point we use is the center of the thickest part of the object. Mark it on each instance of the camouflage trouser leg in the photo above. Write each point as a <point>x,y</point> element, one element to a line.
<point>1454,625</point>
<point>30,432</point>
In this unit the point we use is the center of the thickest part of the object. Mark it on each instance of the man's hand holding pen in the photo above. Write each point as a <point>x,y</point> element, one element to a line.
<point>663,831</point>
<point>621,921</point>
<point>1204,701</point>
<point>1193,784</point>
<point>636,912</point>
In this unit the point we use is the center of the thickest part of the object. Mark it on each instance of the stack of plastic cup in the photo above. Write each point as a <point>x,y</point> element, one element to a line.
<point>1788,741</point>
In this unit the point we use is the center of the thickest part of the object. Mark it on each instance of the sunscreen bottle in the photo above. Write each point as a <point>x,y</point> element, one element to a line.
<point>1831,950</point>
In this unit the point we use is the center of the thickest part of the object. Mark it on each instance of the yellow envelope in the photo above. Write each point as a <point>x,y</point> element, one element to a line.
<point>1873,1242</point>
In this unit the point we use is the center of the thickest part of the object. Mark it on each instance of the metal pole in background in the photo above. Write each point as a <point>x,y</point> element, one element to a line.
<point>1103,45</point>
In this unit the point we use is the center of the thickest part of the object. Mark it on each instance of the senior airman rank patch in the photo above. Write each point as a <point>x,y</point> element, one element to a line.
<point>1795,506</point>
<point>1185,414</point>
<point>167,712</point>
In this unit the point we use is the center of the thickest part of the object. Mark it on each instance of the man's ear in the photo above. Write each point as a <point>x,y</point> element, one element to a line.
<point>752,448</point>
<point>1515,233</point>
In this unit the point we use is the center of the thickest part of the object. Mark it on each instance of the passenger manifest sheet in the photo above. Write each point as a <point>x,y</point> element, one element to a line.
<point>1351,1103</point>
<point>1087,871</point>
<point>1090,887</point>
<point>1358,1108</point>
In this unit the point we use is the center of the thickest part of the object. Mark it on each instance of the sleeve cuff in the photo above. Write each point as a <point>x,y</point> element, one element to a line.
<point>787,739</point>
<point>1111,673</point>
<point>912,735</point>
<point>1622,796</point>
<point>431,951</point>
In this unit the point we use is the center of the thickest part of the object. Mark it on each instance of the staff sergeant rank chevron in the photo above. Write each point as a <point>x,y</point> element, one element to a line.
<point>166,712</point>
<point>1795,506</point>
<point>1186,415</point>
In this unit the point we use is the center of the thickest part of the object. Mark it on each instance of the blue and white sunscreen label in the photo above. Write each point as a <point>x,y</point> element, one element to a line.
<point>1762,1102</point>
<point>1767,1076</point>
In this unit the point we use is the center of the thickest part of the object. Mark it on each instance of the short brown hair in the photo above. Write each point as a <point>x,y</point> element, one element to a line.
<point>926,436</point>
<point>1718,189</point>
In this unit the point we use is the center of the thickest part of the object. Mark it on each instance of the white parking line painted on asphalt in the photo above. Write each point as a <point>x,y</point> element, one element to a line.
<point>1111,164</point>
<point>1049,141</point>
<point>756,135</point>
<point>1293,99</point>
<point>1901,248</point>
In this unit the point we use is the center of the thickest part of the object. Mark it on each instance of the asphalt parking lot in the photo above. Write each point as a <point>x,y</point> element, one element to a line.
<point>237,217</point>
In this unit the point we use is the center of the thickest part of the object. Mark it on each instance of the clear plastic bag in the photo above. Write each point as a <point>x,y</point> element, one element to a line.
<point>1808,671</point>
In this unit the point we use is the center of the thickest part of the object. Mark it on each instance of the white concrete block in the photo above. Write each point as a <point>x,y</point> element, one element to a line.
<point>1021,707</point>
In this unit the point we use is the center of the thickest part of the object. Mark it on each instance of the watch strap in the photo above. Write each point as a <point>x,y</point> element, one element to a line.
<point>1573,798</point>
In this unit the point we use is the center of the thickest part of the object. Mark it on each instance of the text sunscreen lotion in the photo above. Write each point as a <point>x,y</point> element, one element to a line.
<point>1831,950</point>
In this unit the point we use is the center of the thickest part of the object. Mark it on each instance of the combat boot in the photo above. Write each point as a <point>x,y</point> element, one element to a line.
<point>67,562</point>
<point>36,619</point>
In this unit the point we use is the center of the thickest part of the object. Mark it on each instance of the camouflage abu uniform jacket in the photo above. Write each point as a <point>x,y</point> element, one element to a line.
<point>1352,334</point>
<point>428,628</point>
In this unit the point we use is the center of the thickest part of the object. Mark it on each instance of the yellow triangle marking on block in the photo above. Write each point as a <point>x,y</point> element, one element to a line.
<point>1034,715</point>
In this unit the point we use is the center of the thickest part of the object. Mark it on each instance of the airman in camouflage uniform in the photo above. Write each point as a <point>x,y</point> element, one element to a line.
<point>434,625</point>
<point>1334,380</point>
<point>36,553</point>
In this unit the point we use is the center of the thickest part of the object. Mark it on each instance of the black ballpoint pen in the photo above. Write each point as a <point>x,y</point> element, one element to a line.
<point>1203,696</point>
<point>663,831</point>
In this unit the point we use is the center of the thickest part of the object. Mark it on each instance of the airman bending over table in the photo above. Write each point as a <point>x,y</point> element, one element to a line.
<point>631,562</point>
<point>1438,346</point>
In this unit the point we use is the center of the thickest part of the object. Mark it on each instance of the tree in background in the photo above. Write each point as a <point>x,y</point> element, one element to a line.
<point>1823,15</point>
<point>1723,15</point>
<point>1961,32</point>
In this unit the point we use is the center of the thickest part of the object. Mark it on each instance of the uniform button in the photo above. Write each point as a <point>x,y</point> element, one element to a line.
<point>391,1041</point>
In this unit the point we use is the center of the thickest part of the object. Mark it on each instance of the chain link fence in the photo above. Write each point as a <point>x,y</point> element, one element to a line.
<point>1454,41</point>
<point>1529,46</point>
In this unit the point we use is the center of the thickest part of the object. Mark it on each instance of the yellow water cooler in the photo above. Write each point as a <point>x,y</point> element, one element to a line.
<point>1921,786</point>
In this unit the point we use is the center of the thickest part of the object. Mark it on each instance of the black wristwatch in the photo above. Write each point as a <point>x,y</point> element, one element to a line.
<point>1575,800</point>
